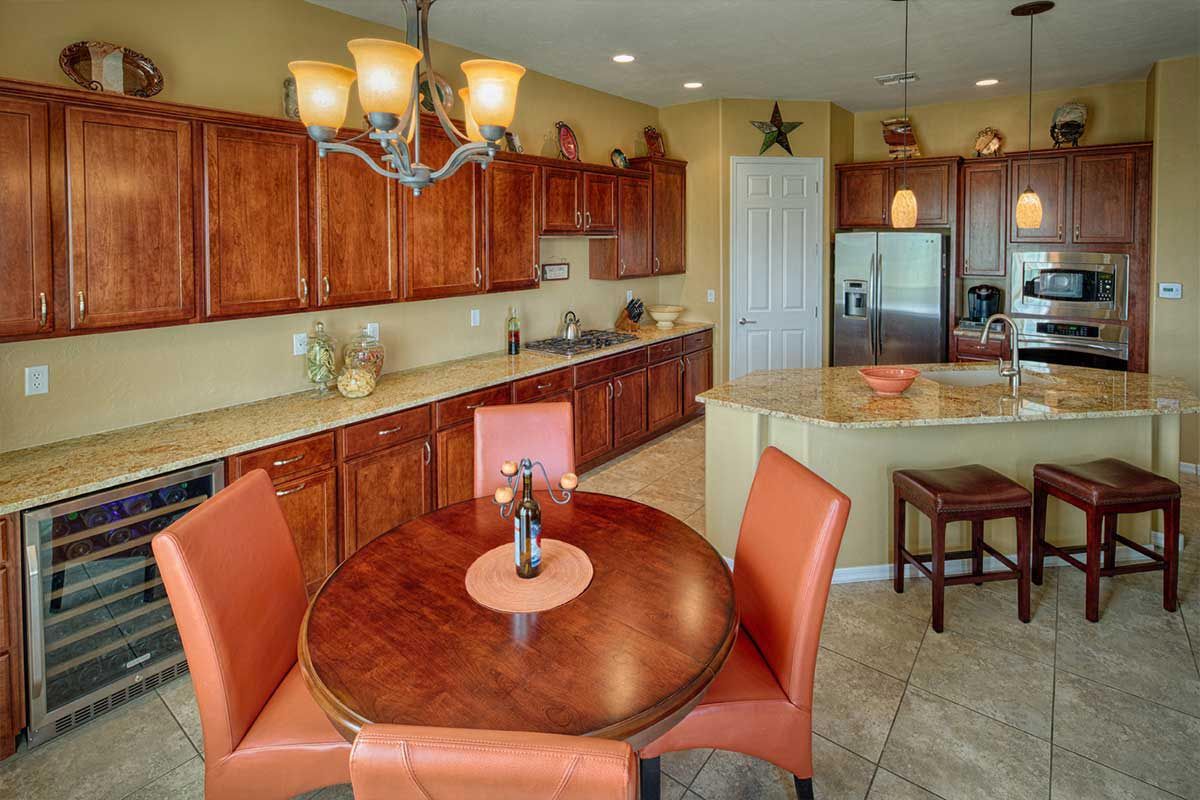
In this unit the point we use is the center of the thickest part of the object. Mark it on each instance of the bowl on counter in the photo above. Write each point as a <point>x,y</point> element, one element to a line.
<point>665,316</point>
<point>889,381</point>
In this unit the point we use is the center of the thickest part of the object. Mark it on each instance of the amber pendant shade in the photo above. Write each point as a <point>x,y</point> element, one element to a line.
<point>904,208</point>
<point>322,92</point>
<point>1029,209</point>
<point>493,88</point>
<point>468,118</point>
<point>385,74</point>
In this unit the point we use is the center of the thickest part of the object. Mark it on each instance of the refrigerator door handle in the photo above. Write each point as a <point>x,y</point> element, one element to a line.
<point>874,315</point>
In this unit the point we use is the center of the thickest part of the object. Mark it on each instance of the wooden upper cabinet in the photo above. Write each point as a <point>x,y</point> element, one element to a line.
<point>26,299</point>
<point>358,220</point>
<point>130,259</point>
<point>634,228</point>
<point>309,505</point>
<point>511,241</point>
<point>664,392</point>
<point>385,489</point>
<point>985,206</point>
<point>1103,199</point>
<point>932,185</point>
<point>599,202</point>
<point>862,196</point>
<point>561,200</point>
<point>593,409</point>
<point>1048,177</point>
<point>629,407</point>
<point>257,248</point>
<point>697,378</point>
<point>669,199</point>
<point>442,251</point>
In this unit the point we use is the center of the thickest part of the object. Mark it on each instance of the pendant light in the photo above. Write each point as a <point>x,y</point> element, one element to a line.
<point>904,202</point>
<point>1029,205</point>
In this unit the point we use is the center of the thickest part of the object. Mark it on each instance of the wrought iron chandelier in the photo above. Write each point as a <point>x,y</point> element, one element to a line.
<point>388,92</point>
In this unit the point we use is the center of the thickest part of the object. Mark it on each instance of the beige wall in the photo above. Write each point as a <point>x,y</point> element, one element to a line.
<point>233,55</point>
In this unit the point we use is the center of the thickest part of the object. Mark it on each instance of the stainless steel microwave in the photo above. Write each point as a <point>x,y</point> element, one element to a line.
<point>1071,285</point>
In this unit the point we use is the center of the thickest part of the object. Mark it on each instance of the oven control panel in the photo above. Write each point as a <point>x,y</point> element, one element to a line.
<point>1069,329</point>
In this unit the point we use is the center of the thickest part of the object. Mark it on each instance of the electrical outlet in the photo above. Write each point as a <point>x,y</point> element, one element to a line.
<point>299,344</point>
<point>474,317</point>
<point>373,330</point>
<point>628,295</point>
<point>712,295</point>
<point>37,380</point>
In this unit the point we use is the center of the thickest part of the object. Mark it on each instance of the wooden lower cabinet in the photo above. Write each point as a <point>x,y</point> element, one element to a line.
<point>593,421</point>
<point>455,464</point>
<point>309,505</point>
<point>12,681</point>
<point>629,407</point>
<point>664,393</point>
<point>385,489</point>
<point>697,378</point>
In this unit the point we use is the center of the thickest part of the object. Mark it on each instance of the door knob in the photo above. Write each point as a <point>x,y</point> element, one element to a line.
<point>744,321</point>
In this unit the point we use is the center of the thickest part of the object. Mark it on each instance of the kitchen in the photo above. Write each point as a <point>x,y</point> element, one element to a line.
<point>177,340</point>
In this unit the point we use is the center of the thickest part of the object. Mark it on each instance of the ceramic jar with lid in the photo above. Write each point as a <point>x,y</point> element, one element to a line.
<point>366,352</point>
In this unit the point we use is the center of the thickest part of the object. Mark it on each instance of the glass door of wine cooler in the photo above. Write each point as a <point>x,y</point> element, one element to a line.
<point>100,628</point>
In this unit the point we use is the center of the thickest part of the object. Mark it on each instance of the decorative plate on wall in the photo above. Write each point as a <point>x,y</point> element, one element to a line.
<point>568,145</point>
<point>618,159</point>
<point>107,67</point>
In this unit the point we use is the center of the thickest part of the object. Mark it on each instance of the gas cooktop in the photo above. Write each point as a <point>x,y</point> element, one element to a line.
<point>588,340</point>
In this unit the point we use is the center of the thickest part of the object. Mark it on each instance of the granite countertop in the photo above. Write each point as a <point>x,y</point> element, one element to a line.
<point>44,474</point>
<point>837,397</point>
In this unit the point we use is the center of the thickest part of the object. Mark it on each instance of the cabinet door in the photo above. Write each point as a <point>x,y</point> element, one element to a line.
<point>129,199</point>
<point>697,378</point>
<point>985,198</point>
<point>511,241</point>
<point>930,184</point>
<point>1103,198</point>
<point>310,507</point>
<point>12,682</point>
<point>593,421</point>
<point>633,256</point>
<point>358,242</point>
<point>670,214</point>
<point>862,197</point>
<point>1048,177</point>
<point>26,302</point>
<point>384,490</point>
<point>442,252</point>
<point>664,393</point>
<point>256,189</point>
<point>456,463</point>
<point>560,200</point>
<point>629,407</point>
<point>599,203</point>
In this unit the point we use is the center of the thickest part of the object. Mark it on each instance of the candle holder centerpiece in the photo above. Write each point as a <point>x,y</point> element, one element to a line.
<point>527,513</point>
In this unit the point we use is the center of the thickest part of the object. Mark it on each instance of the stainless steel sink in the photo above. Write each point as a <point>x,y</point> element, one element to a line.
<point>966,377</point>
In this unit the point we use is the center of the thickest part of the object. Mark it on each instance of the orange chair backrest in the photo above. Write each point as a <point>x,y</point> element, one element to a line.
<point>400,762</point>
<point>791,532</point>
<point>540,431</point>
<point>233,578</point>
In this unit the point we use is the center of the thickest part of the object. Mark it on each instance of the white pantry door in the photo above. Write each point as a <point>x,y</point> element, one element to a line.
<point>776,253</point>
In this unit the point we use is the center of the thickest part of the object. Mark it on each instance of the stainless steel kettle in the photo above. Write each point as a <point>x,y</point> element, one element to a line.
<point>570,326</point>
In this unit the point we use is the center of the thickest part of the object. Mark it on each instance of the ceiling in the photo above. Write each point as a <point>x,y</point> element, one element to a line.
<point>810,49</point>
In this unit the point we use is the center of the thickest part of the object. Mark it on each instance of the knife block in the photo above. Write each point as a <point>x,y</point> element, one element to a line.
<point>624,323</point>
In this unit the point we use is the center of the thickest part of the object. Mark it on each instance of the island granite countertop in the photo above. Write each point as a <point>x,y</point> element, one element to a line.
<point>838,397</point>
<point>43,474</point>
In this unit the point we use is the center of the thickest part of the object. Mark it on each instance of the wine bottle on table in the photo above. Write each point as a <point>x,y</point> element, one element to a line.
<point>514,332</point>
<point>527,527</point>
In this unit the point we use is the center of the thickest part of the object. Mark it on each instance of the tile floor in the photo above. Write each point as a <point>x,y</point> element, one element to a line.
<point>990,709</point>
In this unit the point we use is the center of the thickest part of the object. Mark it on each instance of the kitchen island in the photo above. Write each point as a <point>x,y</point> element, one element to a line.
<point>953,414</point>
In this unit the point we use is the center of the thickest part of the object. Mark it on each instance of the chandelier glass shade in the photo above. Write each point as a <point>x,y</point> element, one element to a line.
<point>1029,209</point>
<point>385,74</point>
<point>322,92</point>
<point>473,133</point>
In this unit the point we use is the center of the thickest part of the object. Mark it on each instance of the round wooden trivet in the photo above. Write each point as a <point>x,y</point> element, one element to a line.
<point>492,580</point>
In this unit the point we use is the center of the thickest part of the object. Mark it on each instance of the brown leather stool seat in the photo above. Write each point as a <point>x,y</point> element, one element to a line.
<point>1103,489</point>
<point>973,493</point>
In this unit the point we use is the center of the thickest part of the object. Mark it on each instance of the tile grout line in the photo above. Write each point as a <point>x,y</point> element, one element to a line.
<point>182,729</point>
<point>171,769</point>
<point>1091,760</point>
<point>688,787</point>
<point>1139,698</point>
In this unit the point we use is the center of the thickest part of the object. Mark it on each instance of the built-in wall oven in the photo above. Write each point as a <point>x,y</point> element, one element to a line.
<point>1070,285</point>
<point>1076,343</point>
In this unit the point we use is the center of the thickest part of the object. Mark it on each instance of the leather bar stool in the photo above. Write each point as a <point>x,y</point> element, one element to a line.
<point>1103,489</point>
<point>972,493</point>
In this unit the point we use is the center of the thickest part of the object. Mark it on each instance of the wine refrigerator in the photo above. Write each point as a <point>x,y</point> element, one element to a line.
<point>98,623</point>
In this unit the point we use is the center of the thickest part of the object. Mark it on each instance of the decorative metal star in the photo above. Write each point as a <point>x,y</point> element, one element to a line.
<point>775,131</point>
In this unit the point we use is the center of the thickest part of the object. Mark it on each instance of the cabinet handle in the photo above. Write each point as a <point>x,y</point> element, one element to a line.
<point>536,277</point>
<point>82,308</point>
<point>541,386</point>
<point>1060,230</point>
<point>477,405</point>
<point>578,219</point>
<point>1077,232</point>
<point>42,316</point>
<point>286,492</point>
<point>37,655</point>
<point>283,462</point>
<point>390,431</point>
<point>609,387</point>
<point>657,266</point>
<point>428,452</point>
<point>325,280</point>
<point>304,289</point>
<point>681,367</point>
<point>478,276</point>
<point>587,219</point>
<point>622,266</point>
<point>619,387</point>
<point>966,264</point>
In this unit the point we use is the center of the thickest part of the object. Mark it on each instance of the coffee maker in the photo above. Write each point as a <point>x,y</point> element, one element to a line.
<point>983,300</point>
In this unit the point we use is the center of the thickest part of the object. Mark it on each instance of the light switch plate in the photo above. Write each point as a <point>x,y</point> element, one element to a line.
<point>712,295</point>
<point>299,344</point>
<point>37,380</point>
<point>1170,291</point>
<point>474,317</point>
<point>628,295</point>
<point>373,330</point>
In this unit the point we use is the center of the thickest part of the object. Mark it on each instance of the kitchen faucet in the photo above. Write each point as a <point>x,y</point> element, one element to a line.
<point>1013,370</point>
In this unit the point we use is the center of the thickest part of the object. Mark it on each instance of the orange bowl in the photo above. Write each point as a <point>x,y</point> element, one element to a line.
<point>889,381</point>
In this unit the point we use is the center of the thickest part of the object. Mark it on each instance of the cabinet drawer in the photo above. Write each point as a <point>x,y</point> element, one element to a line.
<point>969,345</point>
<point>697,341</point>
<point>384,431</point>
<point>664,350</point>
<point>602,368</point>
<point>462,408</point>
<point>541,386</point>
<point>287,459</point>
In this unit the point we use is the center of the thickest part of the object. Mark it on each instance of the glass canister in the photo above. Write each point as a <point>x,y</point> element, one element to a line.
<point>319,360</point>
<point>365,351</point>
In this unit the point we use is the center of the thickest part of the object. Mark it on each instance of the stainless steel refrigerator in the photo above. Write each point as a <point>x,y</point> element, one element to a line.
<point>889,298</point>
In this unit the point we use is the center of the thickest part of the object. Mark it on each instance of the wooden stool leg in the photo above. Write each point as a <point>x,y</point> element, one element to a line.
<point>1092,590</point>
<point>1023,555</point>
<point>1110,541</point>
<point>938,566</point>
<point>1037,553</point>
<point>977,549</point>
<point>1171,556</point>
<point>898,541</point>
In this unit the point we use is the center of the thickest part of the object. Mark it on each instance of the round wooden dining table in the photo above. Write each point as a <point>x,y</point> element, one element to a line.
<point>392,635</point>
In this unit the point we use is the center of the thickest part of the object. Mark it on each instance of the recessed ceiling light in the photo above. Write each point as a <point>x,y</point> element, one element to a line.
<point>623,58</point>
<point>693,85</point>
<point>987,82</point>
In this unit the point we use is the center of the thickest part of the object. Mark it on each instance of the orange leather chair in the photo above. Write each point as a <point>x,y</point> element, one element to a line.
<point>233,578</point>
<point>541,431</point>
<point>399,762</point>
<point>760,703</point>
